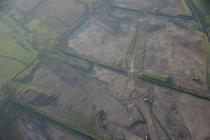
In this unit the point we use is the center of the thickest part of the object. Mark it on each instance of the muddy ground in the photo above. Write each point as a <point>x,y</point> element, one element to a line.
<point>103,38</point>
<point>106,101</point>
<point>31,127</point>
<point>172,49</point>
<point>74,97</point>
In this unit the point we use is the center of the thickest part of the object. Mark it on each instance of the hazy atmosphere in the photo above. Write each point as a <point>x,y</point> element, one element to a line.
<point>104,69</point>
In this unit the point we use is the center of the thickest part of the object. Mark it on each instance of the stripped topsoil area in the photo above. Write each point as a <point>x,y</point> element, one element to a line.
<point>173,49</point>
<point>103,38</point>
<point>121,87</point>
<point>31,127</point>
<point>196,115</point>
<point>77,98</point>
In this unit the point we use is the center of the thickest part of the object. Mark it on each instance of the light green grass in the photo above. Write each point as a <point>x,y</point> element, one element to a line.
<point>35,25</point>
<point>187,11</point>
<point>158,77</point>
<point>13,45</point>
<point>124,61</point>
<point>132,44</point>
<point>141,61</point>
<point>32,89</point>
<point>207,61</point>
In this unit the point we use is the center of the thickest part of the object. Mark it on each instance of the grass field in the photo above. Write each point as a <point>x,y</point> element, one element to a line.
<point>159,77</point>
<point>142,55</point>
<point>203,5</point>
<point>186,8</point>
<point>15,52</point>
<point>207,60</point>
<point>124,61</point>
<point>8,69</point>
<point>14,46</point>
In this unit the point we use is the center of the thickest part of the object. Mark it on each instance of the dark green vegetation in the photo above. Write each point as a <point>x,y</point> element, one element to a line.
<point>15,53</point>
<point>203,5</point>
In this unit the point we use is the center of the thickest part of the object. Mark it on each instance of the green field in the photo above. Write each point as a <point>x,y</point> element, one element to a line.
<point>186,8</point>
<point>15,53</point>
<point>207,60</point>
<point>124,61</point>
<point>158,77</point>
<point>204,6</point>
<point>14,46</point>
<point>8,69</point>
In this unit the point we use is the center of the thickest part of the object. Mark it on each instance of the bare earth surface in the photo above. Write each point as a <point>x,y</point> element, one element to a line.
<point>105,70</point>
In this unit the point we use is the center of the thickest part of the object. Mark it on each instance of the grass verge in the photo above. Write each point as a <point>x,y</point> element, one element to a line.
<point>72,61</point>
<point>159,77</point>
<point>206,46</point>
<point>124,61</point>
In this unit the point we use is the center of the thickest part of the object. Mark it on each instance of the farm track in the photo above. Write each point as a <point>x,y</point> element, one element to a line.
<point>204,96</point>
<point>15,77</point>
<point>125,72</point>
<point>121,71</point>
<point>13,59</point>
